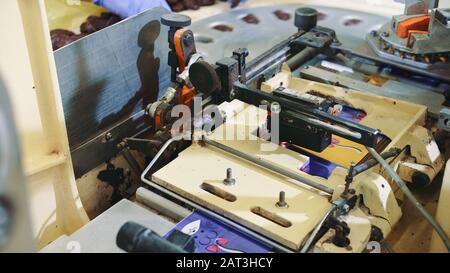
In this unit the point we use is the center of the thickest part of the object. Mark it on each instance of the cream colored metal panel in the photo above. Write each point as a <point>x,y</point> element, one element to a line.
<point>28,69</point>
<point>15,69</point>
<point>255,187</point>
<point>256,190</point>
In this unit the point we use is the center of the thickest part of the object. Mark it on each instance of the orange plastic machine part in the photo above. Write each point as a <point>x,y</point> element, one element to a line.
<point>419,23</point>
<point>186,94</point>
<point>179,49</point>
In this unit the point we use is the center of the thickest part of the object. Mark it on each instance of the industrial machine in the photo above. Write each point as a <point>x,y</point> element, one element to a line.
<point>302,174</point>
<point>307,140</point>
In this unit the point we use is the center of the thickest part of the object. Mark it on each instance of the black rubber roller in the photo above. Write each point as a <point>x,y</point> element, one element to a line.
<point>305,18</point>
<point>204,77</point>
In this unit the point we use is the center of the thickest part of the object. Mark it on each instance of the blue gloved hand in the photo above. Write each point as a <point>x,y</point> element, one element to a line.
<point>127,8</point>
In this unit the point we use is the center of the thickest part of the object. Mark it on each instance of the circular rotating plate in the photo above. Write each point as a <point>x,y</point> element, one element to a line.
<point>350,26</point>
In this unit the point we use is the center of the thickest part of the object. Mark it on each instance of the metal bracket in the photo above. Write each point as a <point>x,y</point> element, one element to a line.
<point>104,146</point>
<point>444,119</point>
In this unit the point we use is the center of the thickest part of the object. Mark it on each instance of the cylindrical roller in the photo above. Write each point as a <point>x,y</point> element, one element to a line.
<point>204,77</point>
<point>302,57</point>
<point>305,18</point>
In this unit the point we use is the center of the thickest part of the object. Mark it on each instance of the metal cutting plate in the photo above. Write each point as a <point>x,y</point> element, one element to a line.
<point>112,74</point>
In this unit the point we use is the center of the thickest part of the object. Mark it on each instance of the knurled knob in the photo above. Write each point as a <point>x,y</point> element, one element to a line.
<point>175,20</point>
<point>305,18</point>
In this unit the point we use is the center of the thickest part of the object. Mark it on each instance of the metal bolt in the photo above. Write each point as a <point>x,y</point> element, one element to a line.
<point>188,40</point>
<point>348,180</point>
<point>224,116</point>
<point>108,136</point>
<point>282,200</point>
<point>147,109</point>
<point>275,108</point>
<point>447,122</point>
<point>232,95</point>
<point>229,181</point>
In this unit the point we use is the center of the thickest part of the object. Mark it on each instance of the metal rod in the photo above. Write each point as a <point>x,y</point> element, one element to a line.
<point>277,58</point>
<point>313,235</point>
<point>269,166</point>
<point>134,165</point>
<point>272,57</point>
<point>271,67</point>
<point>302,57</point>
<point>158,155</point>
<point>372,162</point>
<point>333,128</point>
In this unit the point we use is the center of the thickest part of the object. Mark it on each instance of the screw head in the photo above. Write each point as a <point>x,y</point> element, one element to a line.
<point>108,136</point>
<point>232,94</point>
<point>447,122</point>
<point>229,180</point>
<point>188,40</point>
<point>275,108</point>
<point>281,200</point>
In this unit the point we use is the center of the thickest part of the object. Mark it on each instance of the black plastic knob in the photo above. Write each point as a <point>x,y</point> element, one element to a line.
<point>305,18</point>
<point>175,20</point>
<point>204,77</point>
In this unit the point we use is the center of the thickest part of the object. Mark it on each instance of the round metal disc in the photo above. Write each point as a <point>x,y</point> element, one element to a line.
<point>175,20</point>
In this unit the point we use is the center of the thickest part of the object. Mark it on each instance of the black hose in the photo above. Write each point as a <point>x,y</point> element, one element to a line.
<point>372,162</point>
